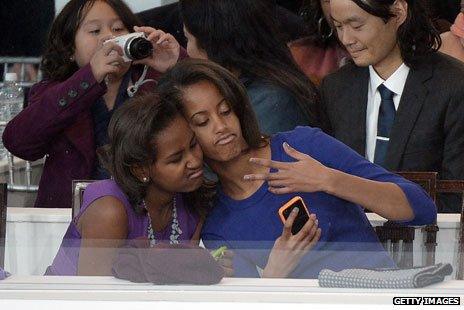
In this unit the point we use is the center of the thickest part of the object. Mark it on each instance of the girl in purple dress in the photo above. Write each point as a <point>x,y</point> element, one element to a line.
<point>156,190</point>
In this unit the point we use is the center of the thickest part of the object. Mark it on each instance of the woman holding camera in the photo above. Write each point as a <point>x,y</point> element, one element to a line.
<point>258,175</point>
<point>86,79</point>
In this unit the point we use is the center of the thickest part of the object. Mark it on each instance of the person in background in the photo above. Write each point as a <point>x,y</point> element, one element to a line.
<point>242,36</point>
<point>167,18</point>
<point>85,81</point>
<point>320,52</point>
<point>453,40</point>
<point>405,99</point>
<point>156,193</point>
<point>258,174</point>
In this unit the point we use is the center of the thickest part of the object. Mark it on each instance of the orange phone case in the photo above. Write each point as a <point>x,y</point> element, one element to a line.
<point>289,204</point>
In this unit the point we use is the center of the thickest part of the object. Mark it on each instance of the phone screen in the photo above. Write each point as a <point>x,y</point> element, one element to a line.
<point>300,219</point>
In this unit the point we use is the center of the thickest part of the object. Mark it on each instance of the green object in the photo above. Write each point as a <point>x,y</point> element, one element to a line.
<point>219,253</point>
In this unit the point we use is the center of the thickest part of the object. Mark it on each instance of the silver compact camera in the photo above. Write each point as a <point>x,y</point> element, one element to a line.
<point>135,46</point>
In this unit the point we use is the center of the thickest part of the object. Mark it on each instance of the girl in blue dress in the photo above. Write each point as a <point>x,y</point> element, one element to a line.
<point>259,174</point>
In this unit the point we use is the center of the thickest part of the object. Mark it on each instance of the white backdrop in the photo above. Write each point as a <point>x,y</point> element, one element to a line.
<point>135,5</point>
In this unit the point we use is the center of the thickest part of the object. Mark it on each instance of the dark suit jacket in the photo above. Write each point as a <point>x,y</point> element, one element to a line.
<point>428,132</point>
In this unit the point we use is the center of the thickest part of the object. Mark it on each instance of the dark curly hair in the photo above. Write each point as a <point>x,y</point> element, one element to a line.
<point>56,63</point>
<point>417,37</point>
<point>132,132</point>
<point>243,36</point>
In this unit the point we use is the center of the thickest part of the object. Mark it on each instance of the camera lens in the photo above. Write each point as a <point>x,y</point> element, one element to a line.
<point>139,48</point>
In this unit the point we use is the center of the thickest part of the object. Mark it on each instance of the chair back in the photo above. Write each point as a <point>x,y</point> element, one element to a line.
<point>398,239</point>
<point>427,180</point>
<point>456,187</point>
<point>22,65</point>
<point>3,203</point>
<point>78,187</point>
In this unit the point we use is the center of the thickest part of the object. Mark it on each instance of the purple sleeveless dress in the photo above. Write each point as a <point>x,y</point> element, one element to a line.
<point>66,260</point>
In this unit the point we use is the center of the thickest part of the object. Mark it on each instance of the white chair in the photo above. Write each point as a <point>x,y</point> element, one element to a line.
<point>78,187</point>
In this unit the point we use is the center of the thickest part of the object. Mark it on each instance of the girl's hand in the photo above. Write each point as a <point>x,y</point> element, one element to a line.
<point>305,175</point>
<point>107,60</point>
<point>166,49</point>
<point>289,249</point>
<point>226,263</point>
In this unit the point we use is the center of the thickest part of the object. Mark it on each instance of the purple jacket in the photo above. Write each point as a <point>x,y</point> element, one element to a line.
<point>58,124</point>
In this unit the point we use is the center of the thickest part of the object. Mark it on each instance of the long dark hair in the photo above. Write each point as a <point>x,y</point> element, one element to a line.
<point>417,37</point>
<point>56,63</point>
<point>243,35</point>
<point>319,30</point>
<point>192,71</point>
<point>132,132</point>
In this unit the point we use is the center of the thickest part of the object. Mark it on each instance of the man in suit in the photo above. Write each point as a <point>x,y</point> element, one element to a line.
<point>400,103</point>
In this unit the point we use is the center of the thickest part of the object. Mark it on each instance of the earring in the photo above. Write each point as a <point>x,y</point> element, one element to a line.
<point>71,59</point>
<point>145,179</point>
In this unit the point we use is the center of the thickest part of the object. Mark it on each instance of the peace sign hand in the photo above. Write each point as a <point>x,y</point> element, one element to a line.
<point>304,175</point>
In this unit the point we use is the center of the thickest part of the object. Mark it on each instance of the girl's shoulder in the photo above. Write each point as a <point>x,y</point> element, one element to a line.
<point>301,135</point>
<point>311,141</point>
<point>100,189</point>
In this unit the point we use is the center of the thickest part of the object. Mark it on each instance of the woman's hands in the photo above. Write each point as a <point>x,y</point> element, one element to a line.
<point>166,49</point>
<point>304,175</point>
<point>289,249</point>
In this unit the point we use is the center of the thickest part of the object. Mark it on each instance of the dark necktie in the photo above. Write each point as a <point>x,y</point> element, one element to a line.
<point>385,122</point>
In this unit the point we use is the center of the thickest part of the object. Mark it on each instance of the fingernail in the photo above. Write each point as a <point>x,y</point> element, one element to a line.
<point>295,210</point>
<point>286,144</point>
<point>251,159</point>
<point>246,177</point>
<point>317,222</point>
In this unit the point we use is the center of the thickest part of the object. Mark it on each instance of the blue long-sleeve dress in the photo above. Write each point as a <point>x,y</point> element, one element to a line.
<point>250,226</point>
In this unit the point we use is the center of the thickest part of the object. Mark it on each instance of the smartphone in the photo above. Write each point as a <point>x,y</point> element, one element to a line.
<point>301,218</point>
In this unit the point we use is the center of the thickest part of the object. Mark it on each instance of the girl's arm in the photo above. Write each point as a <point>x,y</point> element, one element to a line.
<point>166,49</point>
<point>346,175</point>
<point>53,107</point>
<point>56,106</point>
<point>309,175</point>
<point>103,228</point>
<point>384,198</point>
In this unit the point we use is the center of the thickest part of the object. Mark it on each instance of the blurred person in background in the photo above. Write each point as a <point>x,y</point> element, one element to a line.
<point>243,37</point>
<point>320,52</point>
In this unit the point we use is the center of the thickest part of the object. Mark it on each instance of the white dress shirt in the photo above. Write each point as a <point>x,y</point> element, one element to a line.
<point>395,83</point>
